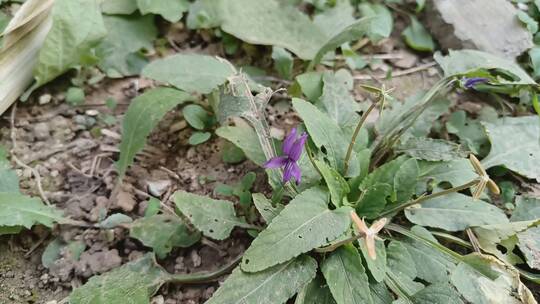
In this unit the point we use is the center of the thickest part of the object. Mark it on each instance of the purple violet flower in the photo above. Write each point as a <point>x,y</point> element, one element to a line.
<point>292,149</point>
<point>469,83</point>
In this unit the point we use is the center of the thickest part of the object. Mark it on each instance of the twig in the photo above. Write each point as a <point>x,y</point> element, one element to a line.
<point>36,245</point>
<point>473,239</point>
<point>416,69</point>
<point>356,132</point>
<point>18,161</point>
<point>335,246</point>
<point>195,278</point>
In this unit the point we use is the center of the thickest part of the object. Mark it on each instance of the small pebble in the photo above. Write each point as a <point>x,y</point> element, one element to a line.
<point>45,99</point>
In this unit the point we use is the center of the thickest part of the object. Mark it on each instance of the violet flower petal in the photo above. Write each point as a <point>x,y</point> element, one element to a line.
<point>289,142</point>
<point>288,171</point>
<point>297,147</point>
<point>296,173</point>
<point>471,82</point>
<point>276,162</point>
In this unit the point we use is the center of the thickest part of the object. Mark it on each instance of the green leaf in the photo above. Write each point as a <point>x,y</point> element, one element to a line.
<point>142,116</point>
<point>273,285</point>
<point>304,224</point>
<point>203,14</point>
<point>515,144</point>
<point>534,54</point>
<point>336,184</point>
<point>417,37</point>
<point>527,208</point>
<point>376,267</point>
<point>337,101</point>
<point>119,7</point>
<point>77,27</point>
<point>431,149</point>
<point>532,25</point>
<point>115,220</point>
<point>346,276</point>
<point>455,212</point>
<point>20,210</point>
<point>334,19</point>
<point>190,72</point>
<point>373,200</point>
<point>214,218</point>
<point>283,62</point>
<point>154,205</point>
<point>170,10</point>
<point>470,132</point>
<point>462,62</point>
<point>399,260</point>
<point>245,138</point>
<point>456,172</point>
<point>437,293</point>
<point>405,180</point>
<point>9,181</point>
<point>75,96</point>
<point>529,244</point>
<point>385,22</point>
<point>198,138</point>
<point>196,116</point>
<point>325,133</point>
<point>316,292</point>
<point>52,253</point>
<point>311,85</point>
<point>162,233</point>
<point>231,154</point>
<point>127,36</point>
<point>136,281</point>
<point>265,208</point>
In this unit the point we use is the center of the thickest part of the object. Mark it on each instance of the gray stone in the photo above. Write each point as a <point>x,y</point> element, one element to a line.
<point>41,131</point>
<point>487,25</point>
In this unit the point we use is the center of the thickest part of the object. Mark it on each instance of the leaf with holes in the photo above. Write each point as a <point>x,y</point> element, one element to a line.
<point>515,144</point>
<point>162,233</point>
<point>305,223</point>
<point>527,209</point>
<point>455,212</point>
<point>214,218</point>
<point>142,116</point>
<point>265,208</point>
<point>346,276</point>
<point>529,244</point>
<point>266,286</point>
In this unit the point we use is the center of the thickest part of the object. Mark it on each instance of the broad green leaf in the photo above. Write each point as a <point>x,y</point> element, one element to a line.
<point>527,208</point>
<point>417,37</point>
<point>380,294</point>
<point>373,200</point>
<point>198,138</point>
<point>455,212</point>
<point>20,210</point>
<point>203,14</point>
<point>283,62</point>
<point>132,283</point>
<point>462,62</point>
<point>77,27</point>
<point>162,233</point>
<point>231,154</point>
<point>334,19</point>
<point>196,116</point>
<point>528,21</point>
<point>529,244</point>
<point>385,22</point>
<point>385,173</point>
<point>114,220</point>
<point>304,224</point>
<point>425,122</point>
<point>376,267</point>
<point>316,292</point>
<point>437,293</point>
<point>346,276</point>
<point>325,133</point>
<point>476,287</point>
<point>245,138</point>
<point>127,35</point>
<point>534,54</point>
<point>9,181</point>
<point>273,285</point>
<point>456,172</point>
<point>399,260</point>
<point>267,22</point>
<point>51,253</point>
<point>190,72</point>
<point>337,102</point>
<point>153,207</point>
<point>431,149</point>
<point>515,144</point>
<point>265,208</point>
<point>337,185</point>
<point>311,85</point>
<point>405,180</point>
<point>171,10</point>
<point>142,116</point>
<point>118,7</point>
<point>214,218</point>
<point>470,132</point>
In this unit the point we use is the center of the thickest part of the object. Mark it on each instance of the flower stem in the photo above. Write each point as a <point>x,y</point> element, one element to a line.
<point>423,198</point>
<point>335,246</point>
<point>357,131</point>
<point>203,277</point>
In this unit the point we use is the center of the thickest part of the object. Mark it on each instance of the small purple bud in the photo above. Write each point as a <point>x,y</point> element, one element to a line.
<point>469,83</point>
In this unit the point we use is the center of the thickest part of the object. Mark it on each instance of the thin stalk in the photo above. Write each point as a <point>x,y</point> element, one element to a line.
<point>203,277</point>
<point>452,239</point>
<point>357,131</point>
<point>335,246</point>
<point>430,196</point>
